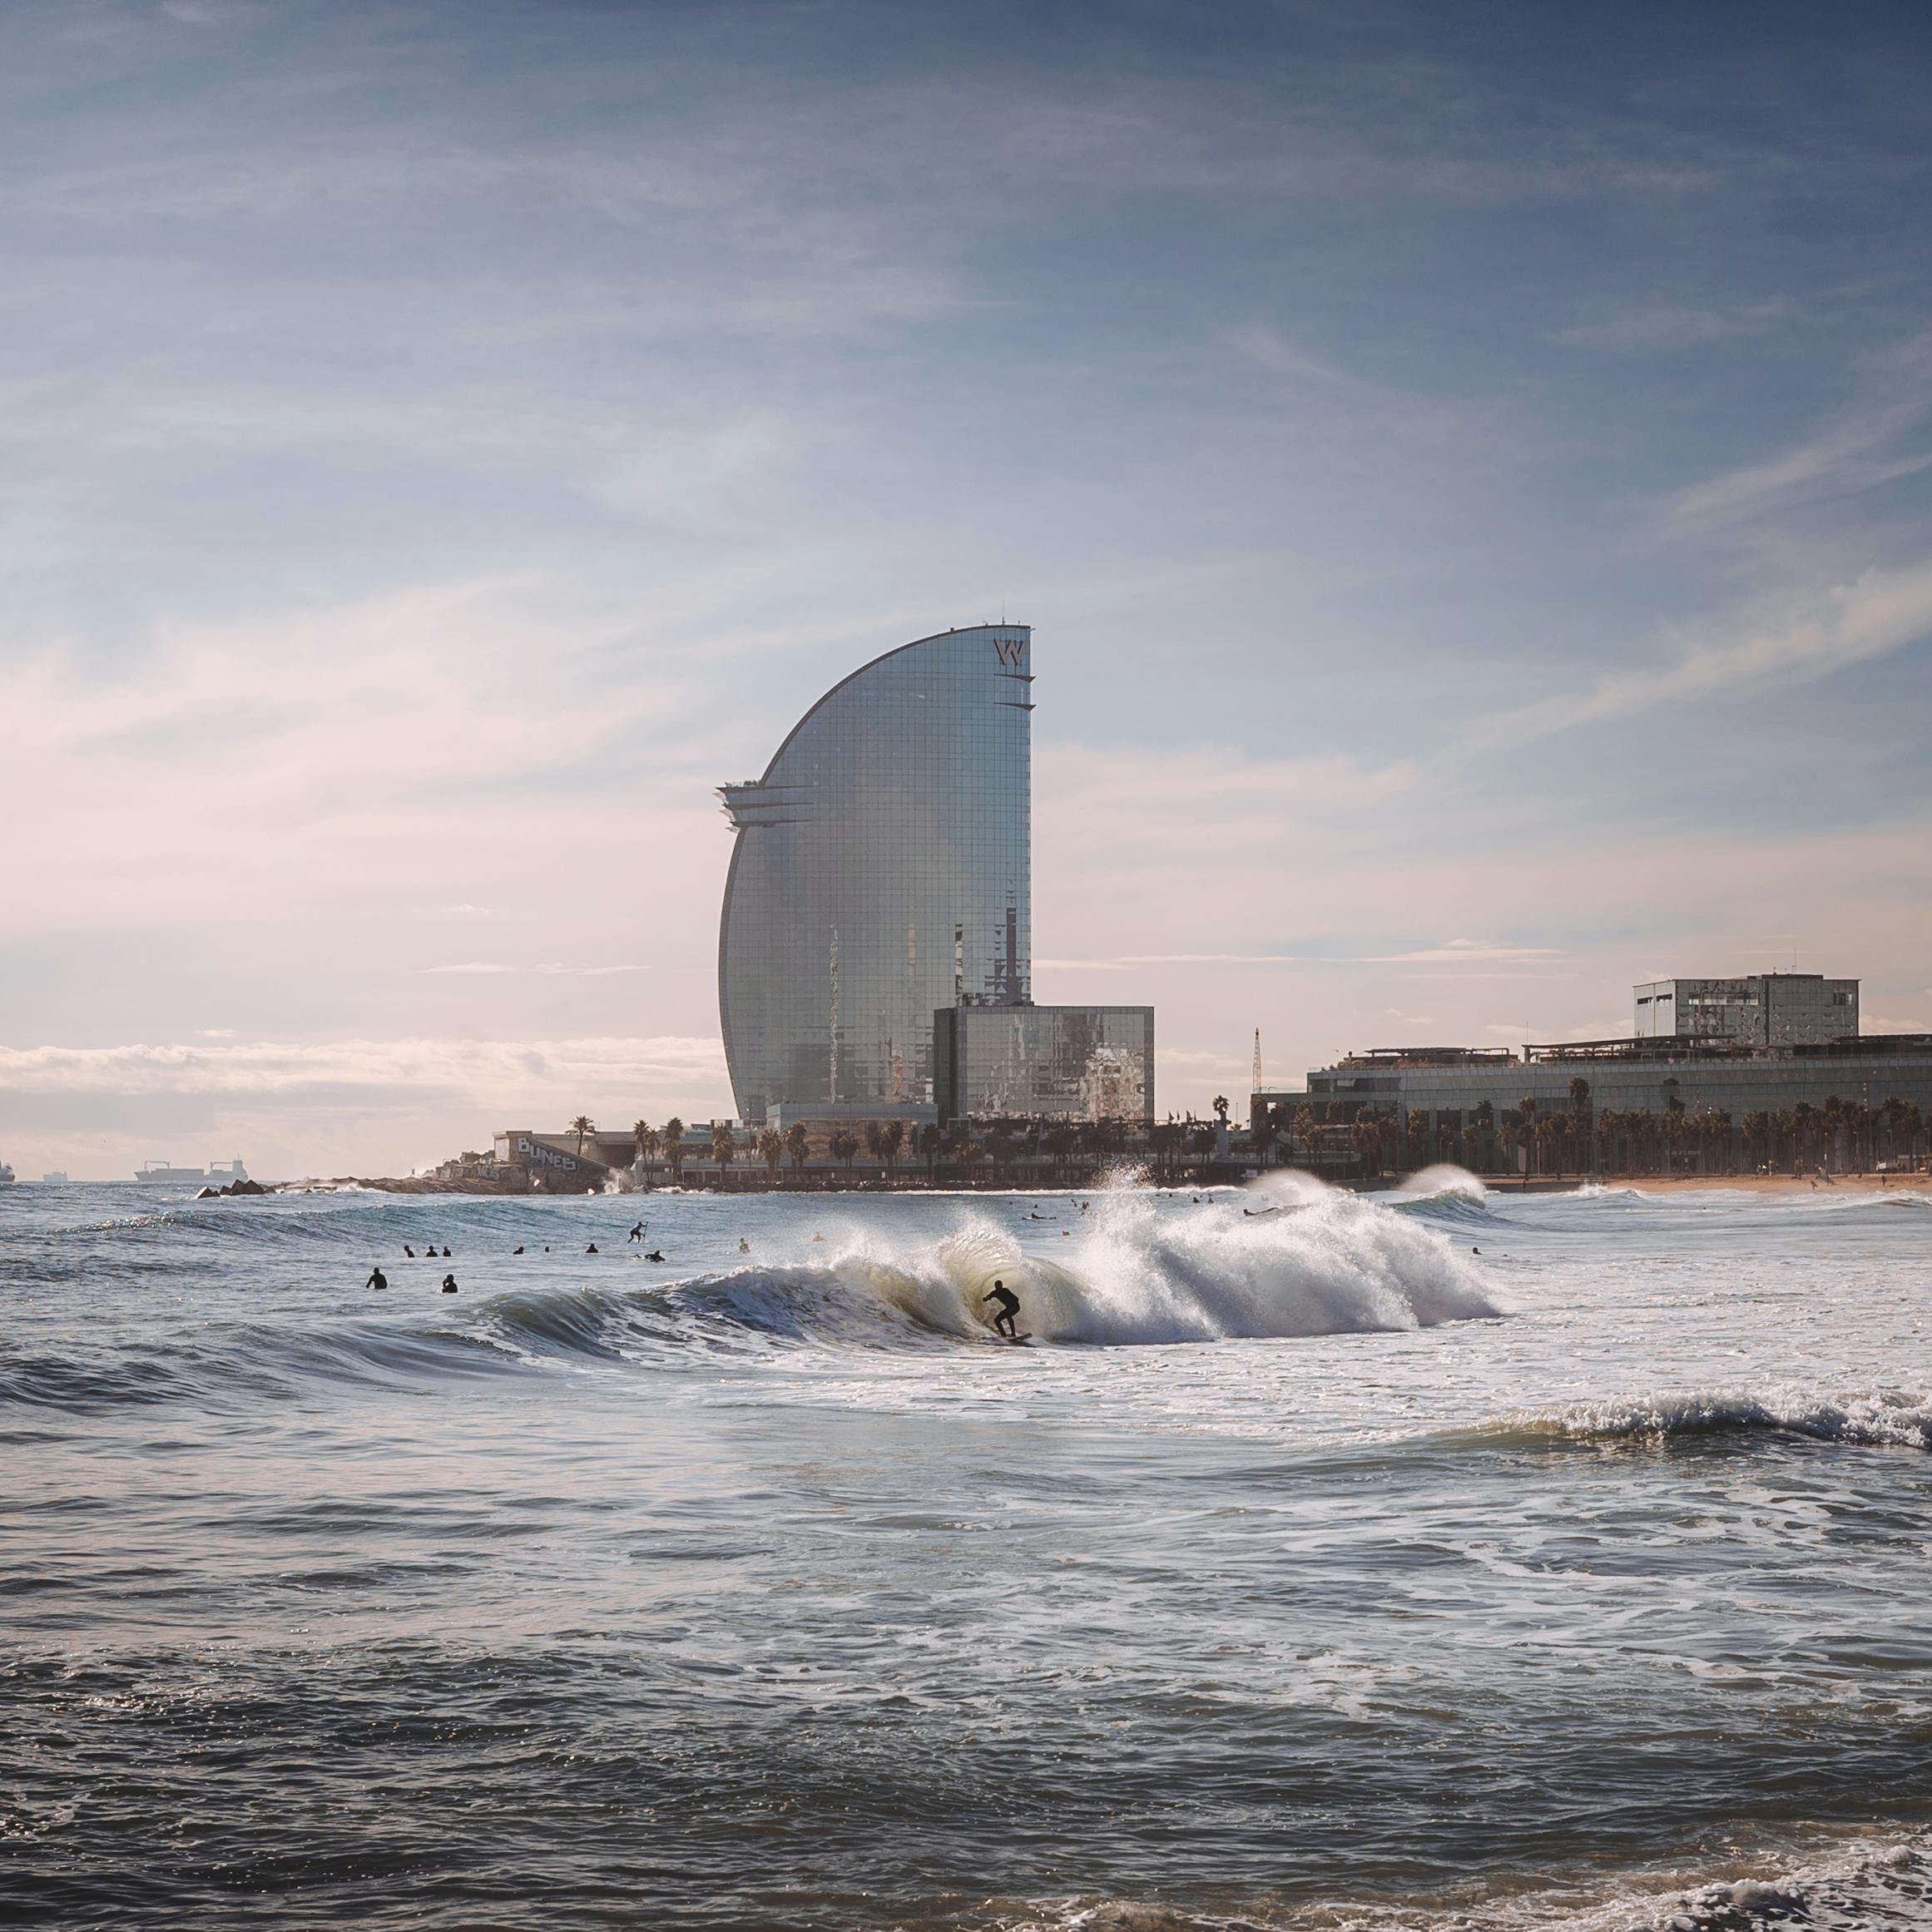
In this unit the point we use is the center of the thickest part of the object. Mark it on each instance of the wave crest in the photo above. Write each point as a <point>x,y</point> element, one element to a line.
<point>1883,1418</point>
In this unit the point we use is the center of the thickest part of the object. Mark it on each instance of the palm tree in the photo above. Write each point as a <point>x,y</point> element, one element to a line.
<point>723,1147</point>
<point>1579,1118</point>
<point>646,1135</point>
<point>1902,1123</point>
<point>771,1152</point>
<point>1526,1112</point>
<point>798,1142</point>
<point>582,1125</point>
<point>845,1149</point>
<point>892,1140</point>
<point>929,1139</point>
<point>1366,1133</point>
<point>876,1140</point>
<point>1672,1128</point>
<point>674,1148</point>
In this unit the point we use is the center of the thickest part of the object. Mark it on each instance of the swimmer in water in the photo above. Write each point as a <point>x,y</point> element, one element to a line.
<point>655,1254</point>
<point>449,1284</point>
<point>376,1278</point>
<point>591,1249</point>
<point>744,1246</point>
<point>516,1251</point>
<point>1003,1323</point>
<point>445,1253</point>
<point>408,1251</point>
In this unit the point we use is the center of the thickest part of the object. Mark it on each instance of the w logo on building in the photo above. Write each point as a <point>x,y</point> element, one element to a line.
<point>1010,650</point>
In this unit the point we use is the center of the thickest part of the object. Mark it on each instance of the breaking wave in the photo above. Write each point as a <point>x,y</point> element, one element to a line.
<point>1883,1418</point>
<point>1136,1274</point>
<point>1865,1887</point>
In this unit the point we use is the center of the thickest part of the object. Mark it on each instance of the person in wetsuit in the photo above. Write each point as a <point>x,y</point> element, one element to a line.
<point>449,1284</point>
<point>1004,1322</point>
<point>637,1234</point>
<point>376,1278</point>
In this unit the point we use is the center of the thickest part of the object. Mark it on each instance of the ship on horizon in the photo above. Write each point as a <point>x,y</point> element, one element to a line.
<point>152,1173</point>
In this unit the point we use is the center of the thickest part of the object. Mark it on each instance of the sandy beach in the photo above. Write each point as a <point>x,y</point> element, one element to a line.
<point>1750,1183</point>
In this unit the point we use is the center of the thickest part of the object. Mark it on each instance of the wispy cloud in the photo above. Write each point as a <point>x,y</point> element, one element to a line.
<point>261,1068</point>
<point>1450,952</point>
<point>1667,326</point>
<point>487,966</point>
<point>1798,641</point>
<point>1858,450</point>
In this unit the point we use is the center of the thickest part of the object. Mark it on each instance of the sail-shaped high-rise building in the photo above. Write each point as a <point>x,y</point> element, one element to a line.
<point>882,872</point>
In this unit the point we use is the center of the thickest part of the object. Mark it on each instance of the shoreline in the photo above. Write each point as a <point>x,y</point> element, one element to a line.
<point>1729,1183</point>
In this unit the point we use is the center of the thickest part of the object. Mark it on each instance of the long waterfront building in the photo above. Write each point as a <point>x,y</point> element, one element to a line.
<point>1768,1043</point>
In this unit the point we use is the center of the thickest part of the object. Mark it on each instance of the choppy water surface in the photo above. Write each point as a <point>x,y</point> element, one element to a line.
<point>1308,1569</point>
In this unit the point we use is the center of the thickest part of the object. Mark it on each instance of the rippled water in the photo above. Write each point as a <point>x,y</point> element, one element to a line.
<point>1308,1568</point>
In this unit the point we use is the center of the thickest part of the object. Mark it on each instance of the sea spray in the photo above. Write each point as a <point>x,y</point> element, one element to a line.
<point>1142,1269</point>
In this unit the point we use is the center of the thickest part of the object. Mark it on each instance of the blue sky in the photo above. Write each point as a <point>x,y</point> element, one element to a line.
<point>1469,470</point>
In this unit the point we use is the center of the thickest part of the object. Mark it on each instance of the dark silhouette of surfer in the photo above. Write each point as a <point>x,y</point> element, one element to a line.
<point>516,1251</point>
<point>1009,1302</point>
<point>376,1278</point>
<point>637,1234</point>
<point>591,1249</point>
<point>655,1254</point>
<point>449,1284</point>
<point>408,1251</point>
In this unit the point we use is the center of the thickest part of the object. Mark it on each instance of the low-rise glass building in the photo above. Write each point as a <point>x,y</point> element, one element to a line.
<point>1763,1009</point>
<point>1056,1062</point>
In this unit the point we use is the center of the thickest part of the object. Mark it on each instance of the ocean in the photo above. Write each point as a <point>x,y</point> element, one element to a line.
<point>1441,1559</point>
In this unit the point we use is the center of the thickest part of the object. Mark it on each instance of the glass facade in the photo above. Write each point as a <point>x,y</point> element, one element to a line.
<point>882,871</point>
<point>1059,1062</point>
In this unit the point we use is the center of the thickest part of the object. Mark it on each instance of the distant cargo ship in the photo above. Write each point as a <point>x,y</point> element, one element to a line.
<point>160,1174</point>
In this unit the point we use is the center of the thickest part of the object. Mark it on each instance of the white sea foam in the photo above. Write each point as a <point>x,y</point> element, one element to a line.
<point>1869,1883</point>
<point>1444,1179</point>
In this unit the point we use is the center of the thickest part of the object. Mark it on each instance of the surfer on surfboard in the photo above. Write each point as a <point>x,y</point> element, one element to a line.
<point>1009,1302</point>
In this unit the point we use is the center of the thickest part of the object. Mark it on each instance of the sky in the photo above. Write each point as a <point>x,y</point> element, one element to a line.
<point>1468,469</point>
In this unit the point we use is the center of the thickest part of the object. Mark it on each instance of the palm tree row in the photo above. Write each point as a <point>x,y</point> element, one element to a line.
<point>1840,1133</point>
